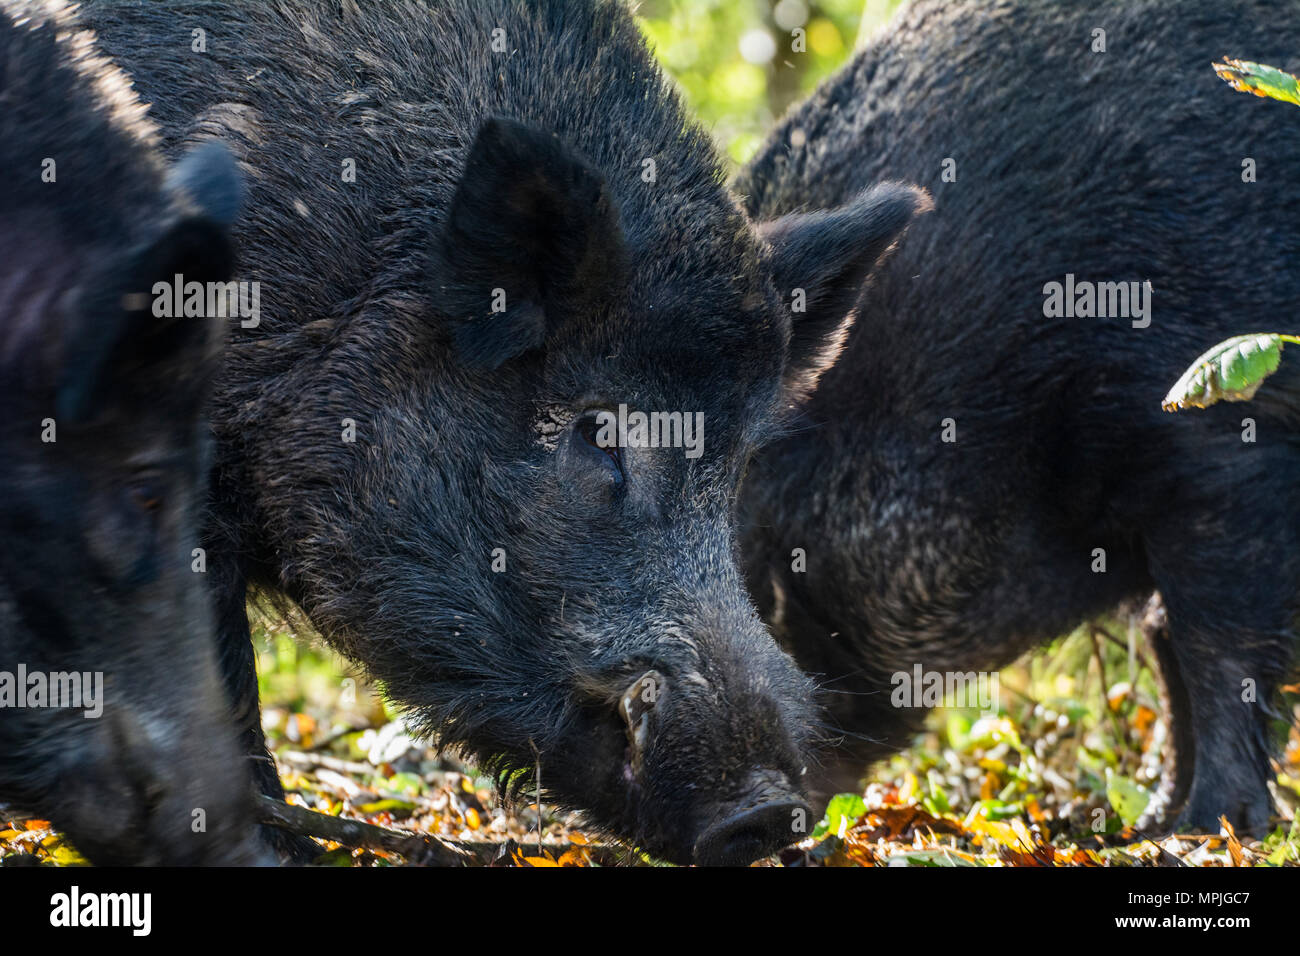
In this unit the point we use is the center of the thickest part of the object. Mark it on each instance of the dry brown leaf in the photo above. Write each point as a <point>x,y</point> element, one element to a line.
<point>1234,845</point>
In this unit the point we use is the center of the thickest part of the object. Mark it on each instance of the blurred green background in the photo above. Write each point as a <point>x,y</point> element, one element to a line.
<point>742,63</point>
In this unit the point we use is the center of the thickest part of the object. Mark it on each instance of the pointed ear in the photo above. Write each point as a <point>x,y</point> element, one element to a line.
<point>209,177</point>
<point>830,255</point>
<point>118,349</point>
<point>531,238</point>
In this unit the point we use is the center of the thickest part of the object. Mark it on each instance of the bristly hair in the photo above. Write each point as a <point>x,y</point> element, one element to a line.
<point>100,140</point>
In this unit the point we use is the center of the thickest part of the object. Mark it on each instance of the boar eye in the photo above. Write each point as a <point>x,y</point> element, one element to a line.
<point>125,538</point>
<point>145,495</point>
<point>589,428</point>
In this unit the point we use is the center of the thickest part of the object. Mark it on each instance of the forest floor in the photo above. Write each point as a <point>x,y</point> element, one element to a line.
<point>1057,774</point>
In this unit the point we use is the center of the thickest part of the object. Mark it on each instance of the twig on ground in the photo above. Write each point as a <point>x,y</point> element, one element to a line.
<point>421,849</point>
<point>301,759</point>
<point>345,732</point>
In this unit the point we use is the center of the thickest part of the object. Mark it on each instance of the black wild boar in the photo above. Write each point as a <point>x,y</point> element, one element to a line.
<point>477,226</point>
<point>113,719</point>
<point>988,442</point>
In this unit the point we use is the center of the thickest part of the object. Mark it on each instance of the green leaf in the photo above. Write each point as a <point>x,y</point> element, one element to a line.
<point>843,807</point>
<point>958,731</point>
<point>996,809</point>
<point>1278,856</point>
<point>341,856</point>
<point>1247,77</point>
<point>379,806</point>
<point>937,800</point>
<point>407,784</point>
<point>1231,371</point>
<point>1126,797</point>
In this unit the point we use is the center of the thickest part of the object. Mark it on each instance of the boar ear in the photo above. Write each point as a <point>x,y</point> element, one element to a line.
<point>120,348</point>
<point>208,177</point>
<point>117,346</point>
<point>532,237</point>
<point>830,255</point>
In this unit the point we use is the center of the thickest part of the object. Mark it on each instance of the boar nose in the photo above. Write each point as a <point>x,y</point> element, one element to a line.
<point>166,786</point>
<point>140,756</point>
<point>771,816</point>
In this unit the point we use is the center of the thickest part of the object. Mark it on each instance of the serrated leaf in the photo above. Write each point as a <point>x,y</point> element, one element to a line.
<point>1247,77</point>
<point>1231,371</point>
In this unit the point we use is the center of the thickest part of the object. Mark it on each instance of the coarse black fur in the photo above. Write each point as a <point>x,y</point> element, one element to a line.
<point>103,456</point>
<point>559,179</point>
<point>1125,165</point>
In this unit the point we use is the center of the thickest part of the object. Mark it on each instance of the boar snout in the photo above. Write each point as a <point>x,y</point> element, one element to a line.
<point>135,791</point>
<point>765,823</point>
